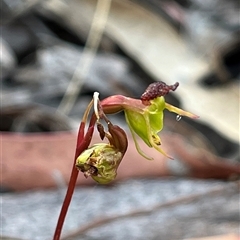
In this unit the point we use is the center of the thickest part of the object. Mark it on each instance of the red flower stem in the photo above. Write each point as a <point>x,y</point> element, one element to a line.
<point>82,144</point>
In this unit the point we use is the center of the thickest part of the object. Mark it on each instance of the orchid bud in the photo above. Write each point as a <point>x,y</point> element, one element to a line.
<point>100,162</point>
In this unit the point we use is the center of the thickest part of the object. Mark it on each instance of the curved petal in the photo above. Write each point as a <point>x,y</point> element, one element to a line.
<point>155,140</point>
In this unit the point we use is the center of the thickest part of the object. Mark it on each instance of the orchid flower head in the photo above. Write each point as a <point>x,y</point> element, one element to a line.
<point>145,116</point>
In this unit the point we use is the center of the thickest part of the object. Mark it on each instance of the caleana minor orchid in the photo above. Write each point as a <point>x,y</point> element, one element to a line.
<point>100,161</point>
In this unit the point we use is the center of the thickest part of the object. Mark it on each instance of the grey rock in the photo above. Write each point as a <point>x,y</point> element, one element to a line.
<point>7,59</point>
<point>33,215</point>
<point>33,118</point>
<point>107,72</point>
<point>49,76</point>
<point>15,97</point>
<point>13,9</point>
<point>20,38</point>
<point>223,13</point>
<point>212,24</point>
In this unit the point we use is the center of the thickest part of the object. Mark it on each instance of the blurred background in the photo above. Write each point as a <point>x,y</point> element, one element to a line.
<point>56,53</point>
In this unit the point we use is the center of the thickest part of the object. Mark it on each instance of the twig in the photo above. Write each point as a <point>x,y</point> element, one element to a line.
<point>89,52</point>
<point>181,200</point>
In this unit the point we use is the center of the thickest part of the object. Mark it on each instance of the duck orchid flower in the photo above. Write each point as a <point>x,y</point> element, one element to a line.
<point>145,116</point>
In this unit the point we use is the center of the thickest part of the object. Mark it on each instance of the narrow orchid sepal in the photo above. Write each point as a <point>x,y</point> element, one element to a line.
<point>180,112</point>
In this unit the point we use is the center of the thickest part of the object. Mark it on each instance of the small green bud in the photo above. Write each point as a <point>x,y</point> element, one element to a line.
<point>100,162</point>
